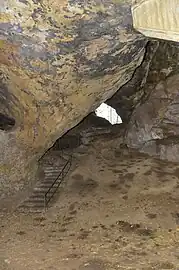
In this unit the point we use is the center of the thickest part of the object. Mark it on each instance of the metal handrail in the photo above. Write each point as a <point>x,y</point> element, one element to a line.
<point>62,175</point>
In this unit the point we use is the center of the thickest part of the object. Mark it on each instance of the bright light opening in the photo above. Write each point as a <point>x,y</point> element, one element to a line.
<point>110,114</point>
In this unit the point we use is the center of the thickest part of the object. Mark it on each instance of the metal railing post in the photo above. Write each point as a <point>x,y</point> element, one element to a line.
<point>62,174</point>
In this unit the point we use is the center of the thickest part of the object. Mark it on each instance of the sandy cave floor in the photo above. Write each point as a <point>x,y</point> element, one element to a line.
<point>117,210</point>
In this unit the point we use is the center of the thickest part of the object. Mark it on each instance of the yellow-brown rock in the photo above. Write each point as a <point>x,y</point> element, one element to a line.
<point>58,61</point>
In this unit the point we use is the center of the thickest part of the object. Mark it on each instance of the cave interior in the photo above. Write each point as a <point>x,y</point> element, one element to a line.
<point>80,190</point>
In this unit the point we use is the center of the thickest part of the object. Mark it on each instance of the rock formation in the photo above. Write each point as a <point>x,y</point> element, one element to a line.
<point>154,125</point>
<point>59,61</point>
<point>125,100</point>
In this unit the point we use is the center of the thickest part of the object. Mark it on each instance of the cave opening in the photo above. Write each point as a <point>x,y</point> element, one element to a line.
<point>6,122</point>
<point>107,112</point>
<point>104,121</point>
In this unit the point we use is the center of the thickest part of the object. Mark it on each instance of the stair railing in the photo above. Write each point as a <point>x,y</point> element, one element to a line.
<point>53,188</point>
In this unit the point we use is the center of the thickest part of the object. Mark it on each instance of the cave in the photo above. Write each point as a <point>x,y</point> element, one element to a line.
<point>103,122</point>
<point>89,134</point>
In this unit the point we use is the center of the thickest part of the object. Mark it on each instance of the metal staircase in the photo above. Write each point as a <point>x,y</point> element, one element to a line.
<point>44,193</point>
<point>52,189</point>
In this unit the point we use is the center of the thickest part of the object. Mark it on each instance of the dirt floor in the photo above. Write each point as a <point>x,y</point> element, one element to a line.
<point>117,210</point>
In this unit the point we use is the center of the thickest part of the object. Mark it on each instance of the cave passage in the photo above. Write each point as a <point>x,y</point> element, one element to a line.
<point>99,122</point>
<point>6,122</point>
<point>109,113</point>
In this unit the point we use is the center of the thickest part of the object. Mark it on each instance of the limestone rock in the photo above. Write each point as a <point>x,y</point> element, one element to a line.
<point>158,117</point>
<point>166,149</point>
<point>59,61</point>
<point>154,125</point>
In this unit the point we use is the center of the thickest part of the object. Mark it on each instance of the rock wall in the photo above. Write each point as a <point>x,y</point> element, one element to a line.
<point>127,98</point>
<point>154,125</point>
<point>59,61</point>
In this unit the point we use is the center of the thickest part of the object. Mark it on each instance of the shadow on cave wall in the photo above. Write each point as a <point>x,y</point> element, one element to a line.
<point>9,106</point>
<point>86,131</point>
<point>6,122</point>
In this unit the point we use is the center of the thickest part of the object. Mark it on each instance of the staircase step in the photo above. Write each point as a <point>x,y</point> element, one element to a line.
<point>35,202</point>
<point>52,172</point>
<point>48,184</point>
<point>51,176</point>
<point>31,210</point>
<point>51,179</point>
<point>34,205</point>
<point>48,181</point>
<point>39,201</point>
<point>43,190</point>
<point>54,169</point>
<point>36,196</point>
<point>39,193</point>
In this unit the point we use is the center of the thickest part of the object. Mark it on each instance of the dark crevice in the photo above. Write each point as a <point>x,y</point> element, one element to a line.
<point>6,122</point>
<point>123,100</point>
